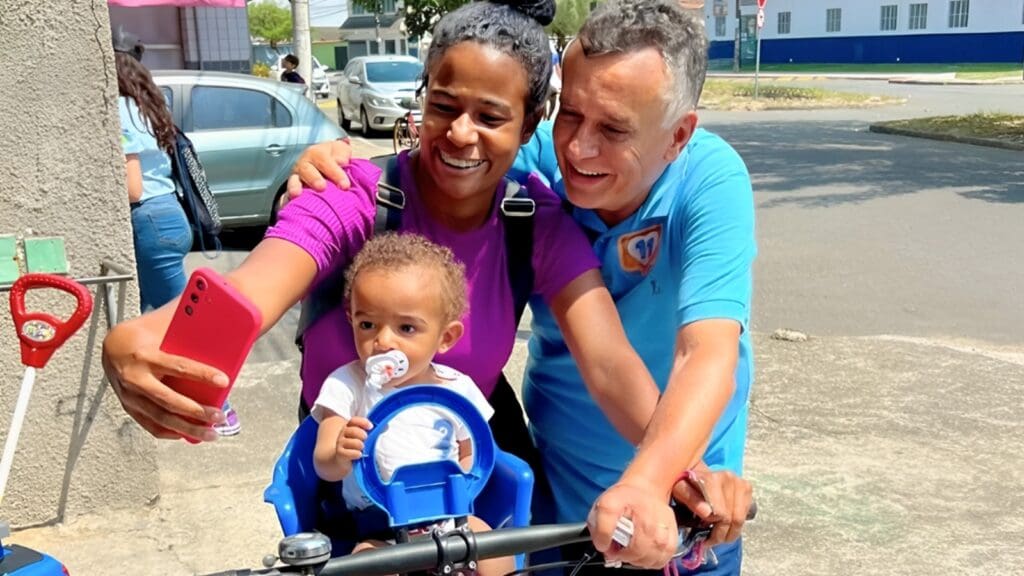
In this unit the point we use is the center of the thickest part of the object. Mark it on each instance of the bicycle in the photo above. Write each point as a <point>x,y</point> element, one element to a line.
<point>406,133</point>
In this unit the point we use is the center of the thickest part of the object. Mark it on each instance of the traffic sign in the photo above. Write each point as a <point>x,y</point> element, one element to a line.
<point>761,3</point>
<point>760,18</point>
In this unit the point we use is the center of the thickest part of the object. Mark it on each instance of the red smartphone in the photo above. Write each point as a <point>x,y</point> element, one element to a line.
<point>213,324</point>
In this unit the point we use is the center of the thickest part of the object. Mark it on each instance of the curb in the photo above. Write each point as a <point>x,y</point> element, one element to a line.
<point>884,129</point>
<point>955,82</point>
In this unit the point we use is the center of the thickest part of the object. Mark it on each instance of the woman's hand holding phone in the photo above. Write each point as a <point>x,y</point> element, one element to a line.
<point>172,369</point>
<point>135,367</point>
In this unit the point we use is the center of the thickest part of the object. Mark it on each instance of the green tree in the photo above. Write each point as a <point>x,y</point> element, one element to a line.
<point>270,22</point>
<point>421,15</point>
<point>568,19</point>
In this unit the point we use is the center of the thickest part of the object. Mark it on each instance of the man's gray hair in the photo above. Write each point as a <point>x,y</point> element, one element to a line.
<point>623,26</point>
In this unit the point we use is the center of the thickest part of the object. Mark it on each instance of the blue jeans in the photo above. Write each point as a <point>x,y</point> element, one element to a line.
<point>162,239</point>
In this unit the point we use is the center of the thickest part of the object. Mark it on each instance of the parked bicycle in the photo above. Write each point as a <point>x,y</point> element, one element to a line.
<point>406,134</point>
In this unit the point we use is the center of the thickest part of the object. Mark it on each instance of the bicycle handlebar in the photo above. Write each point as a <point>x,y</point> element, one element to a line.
<point>455,547</point>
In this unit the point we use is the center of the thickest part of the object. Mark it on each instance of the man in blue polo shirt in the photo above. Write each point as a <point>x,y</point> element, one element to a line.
<point>669,208</point>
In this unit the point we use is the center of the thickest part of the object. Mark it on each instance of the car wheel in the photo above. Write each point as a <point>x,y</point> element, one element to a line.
<point>345,123</point>
<point>364,120</point>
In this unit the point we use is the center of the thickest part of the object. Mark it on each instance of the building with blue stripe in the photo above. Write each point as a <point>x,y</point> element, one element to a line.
<point>870,31</point>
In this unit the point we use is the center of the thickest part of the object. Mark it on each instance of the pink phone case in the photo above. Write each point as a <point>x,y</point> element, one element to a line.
<point>213,324</point>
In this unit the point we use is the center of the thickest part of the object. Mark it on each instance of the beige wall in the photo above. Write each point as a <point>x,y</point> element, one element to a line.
<point>61,174</point>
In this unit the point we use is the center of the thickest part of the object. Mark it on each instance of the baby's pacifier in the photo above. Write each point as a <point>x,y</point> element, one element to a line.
<point>383,368</point>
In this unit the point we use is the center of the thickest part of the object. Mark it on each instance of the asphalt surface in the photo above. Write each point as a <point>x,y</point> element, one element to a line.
<point>890,442</point>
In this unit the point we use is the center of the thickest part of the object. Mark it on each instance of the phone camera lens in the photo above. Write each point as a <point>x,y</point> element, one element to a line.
<point>188,310</point>
<point>201,284</point>
<point>195,298</point>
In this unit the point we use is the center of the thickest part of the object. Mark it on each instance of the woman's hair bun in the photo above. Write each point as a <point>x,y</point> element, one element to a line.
<point>543,11</point>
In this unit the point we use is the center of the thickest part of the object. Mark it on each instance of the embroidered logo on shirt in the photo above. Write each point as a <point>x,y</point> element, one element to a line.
<point>638,251</point>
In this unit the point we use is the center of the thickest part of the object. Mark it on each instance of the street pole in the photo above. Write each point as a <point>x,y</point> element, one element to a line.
<point>736,41</point>
<point>757,60</point>
<point>301,43</point>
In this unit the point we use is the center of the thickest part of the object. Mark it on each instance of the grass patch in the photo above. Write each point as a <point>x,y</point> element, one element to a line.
<point>991,75</point>
<point>1003,127</point>
<point>739,95</point>
<point>896,68</point>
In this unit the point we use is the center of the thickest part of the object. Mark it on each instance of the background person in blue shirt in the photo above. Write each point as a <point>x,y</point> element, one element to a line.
<point>161,231</point>
<point>670,210</point>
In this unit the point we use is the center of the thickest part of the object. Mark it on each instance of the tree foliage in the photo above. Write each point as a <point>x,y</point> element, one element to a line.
<point>568,19</point>
<point>422,15</point>
<point>271,22</point>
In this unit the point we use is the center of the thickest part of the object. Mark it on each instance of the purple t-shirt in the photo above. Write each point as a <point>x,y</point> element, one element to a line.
<point>333,226</point>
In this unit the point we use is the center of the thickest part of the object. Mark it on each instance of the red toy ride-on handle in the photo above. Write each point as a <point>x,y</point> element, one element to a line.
<point>40,333</point>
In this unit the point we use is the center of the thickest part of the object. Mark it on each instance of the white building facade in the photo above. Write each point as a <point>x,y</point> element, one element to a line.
<point>870,31</point>
<point>362,29</point>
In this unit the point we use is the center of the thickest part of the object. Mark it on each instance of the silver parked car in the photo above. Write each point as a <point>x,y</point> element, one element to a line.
<point>374,88</point>
<point>248,132</point>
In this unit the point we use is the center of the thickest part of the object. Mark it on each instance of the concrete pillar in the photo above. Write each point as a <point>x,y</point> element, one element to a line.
<point>62,174</point>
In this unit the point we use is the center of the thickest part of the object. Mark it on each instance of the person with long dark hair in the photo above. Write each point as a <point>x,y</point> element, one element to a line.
<point>161,231</point>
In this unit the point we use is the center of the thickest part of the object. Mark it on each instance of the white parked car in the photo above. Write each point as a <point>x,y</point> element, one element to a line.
<point>377,90</point>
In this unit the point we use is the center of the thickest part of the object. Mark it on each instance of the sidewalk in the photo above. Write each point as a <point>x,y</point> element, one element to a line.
<point>869,456</point>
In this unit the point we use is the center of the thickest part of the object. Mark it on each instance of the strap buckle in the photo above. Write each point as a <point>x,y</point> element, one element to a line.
<point>390,196</point>
<point>518,207</point>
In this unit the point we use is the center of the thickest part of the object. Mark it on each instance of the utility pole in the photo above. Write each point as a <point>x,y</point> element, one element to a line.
<point>378,7</point>
<point>301,43</point>
<point>736,41</point>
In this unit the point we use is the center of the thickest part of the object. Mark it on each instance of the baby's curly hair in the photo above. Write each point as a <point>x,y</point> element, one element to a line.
<point>394,252</point>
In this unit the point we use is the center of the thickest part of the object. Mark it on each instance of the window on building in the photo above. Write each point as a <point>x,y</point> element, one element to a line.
<point>889,13</point>
<point>215,108</point>
<point>958,10</point>
<point>833,19</point>
<point>387,7</point>
<point>918,16</point>
<point>785,19</point>
<point>719,26</point>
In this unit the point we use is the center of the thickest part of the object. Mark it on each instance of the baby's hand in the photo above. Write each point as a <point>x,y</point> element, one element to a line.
<point>352,439</point>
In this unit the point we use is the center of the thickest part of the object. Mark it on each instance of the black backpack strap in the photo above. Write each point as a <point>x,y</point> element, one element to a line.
<point>517,210</point>
<point>390,198</point>
<point>328,293</point>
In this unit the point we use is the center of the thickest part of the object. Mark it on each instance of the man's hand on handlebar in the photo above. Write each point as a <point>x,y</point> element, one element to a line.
<point>729,499</point>
<point>655,531</point>
<point>317,163</point>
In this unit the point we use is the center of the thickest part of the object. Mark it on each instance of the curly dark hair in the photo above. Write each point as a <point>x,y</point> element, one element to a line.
<point>134,81</point>
<point>394,252</point>
<point>515,29</point>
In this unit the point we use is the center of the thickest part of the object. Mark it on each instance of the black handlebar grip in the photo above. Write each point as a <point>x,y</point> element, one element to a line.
<point>685,518</point>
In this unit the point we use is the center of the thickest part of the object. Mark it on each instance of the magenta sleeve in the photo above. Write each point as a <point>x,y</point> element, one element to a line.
<point>333,225</point>
<point>561,251</point>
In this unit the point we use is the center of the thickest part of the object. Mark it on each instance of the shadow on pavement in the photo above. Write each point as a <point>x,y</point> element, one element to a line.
<point>797,158</point>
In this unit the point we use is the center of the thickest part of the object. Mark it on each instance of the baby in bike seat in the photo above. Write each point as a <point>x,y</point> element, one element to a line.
<point>405,298</point>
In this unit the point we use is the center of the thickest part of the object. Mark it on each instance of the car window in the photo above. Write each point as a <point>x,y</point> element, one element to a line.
<point>168,97</point>
<point>396,71</point>
<point>217,108</point>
